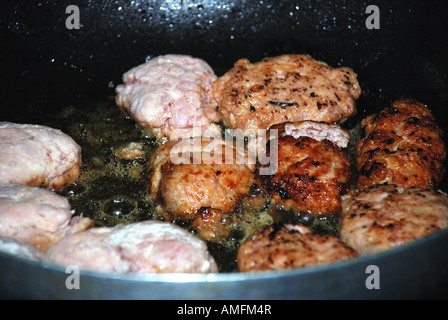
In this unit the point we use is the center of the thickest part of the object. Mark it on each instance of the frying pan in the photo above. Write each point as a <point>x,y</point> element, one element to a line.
<point>47,66</point>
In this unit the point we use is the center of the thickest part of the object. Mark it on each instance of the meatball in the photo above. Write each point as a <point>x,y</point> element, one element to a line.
<point>312,129</point>
<point>287,88</point>
<point>143,247</point>
<point>38,156</point>
<point>318,131</point>
<point>403,146</point>
<point>18,248</point>
<point>185,189</point>
<point>310,177</point>
<point>287,246</point>
<point>171,95</point>
<point>385,216</point>
<point>38,217</point>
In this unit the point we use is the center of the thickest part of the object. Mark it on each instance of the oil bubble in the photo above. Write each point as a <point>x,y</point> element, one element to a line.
<point>119,206</point>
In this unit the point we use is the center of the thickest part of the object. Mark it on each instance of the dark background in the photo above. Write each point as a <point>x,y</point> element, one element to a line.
<point>45,65</point>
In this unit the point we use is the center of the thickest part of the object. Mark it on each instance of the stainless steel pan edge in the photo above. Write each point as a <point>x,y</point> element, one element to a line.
<point>406,272</point>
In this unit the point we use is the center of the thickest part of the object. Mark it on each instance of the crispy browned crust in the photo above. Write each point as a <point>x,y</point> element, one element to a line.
<point>311,176</point>
<point>286,88</point>
<point>385,216</point>
<point>403,145</point>
<point>279,247</point>
<point>204,194</point>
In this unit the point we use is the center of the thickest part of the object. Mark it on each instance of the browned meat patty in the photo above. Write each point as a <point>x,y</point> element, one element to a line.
<point>403,145</point>
<point>38,156</point>
<point>288,246</point>
<point>385,216</point>
<point>311,176</point>
<point>287,88</point>
<point>203,191</point>
<point>143,247</point>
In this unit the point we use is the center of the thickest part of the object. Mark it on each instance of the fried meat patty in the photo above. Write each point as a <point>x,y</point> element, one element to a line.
<point>403,146</point>
<point>37,216</point>
<point>19,248</point>
<point>38,156</point>
<point>171,95</point>
<point>201,191</point>
<point>385,216</point>
<point>311,176</point>
<point>288,246</point>
<point>287,88</point>
<point>143,247</point>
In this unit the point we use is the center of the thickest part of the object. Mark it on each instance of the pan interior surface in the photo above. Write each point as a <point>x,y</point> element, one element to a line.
<point>66,78</point>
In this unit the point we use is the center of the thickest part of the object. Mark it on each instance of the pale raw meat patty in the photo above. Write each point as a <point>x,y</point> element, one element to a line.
<point>385,216</point>
<point>319,131</point>
<point>143,247</point>
<point>38,156</point>
<point>288,246</point>
<point>19,249</point>
<point>316,130</point>
<point>171,95</point>
<point>287,88</point>
<point>37,216</point>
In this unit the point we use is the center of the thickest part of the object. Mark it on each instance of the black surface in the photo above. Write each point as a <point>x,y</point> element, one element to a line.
<point>46,67</point>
